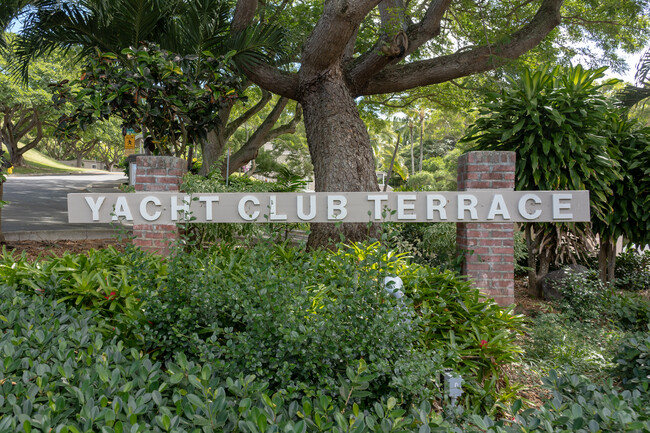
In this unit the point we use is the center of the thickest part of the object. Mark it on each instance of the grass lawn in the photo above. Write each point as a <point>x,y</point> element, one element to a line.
<point>37,163</point>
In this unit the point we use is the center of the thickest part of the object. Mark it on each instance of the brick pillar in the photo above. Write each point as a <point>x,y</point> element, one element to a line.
<point>488,248</point>
<point>157,173</point>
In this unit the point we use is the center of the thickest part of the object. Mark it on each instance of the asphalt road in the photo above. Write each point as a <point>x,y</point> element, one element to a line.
<point>38,207</point>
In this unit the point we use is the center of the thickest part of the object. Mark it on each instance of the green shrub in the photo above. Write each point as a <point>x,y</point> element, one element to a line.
<point>630,311</point>
<point>427,244</point>
<point>633,362</point>
<point>475,336</point>
<point>100,280</point>
<point>59,374</point>
<point>420,181</point>
<point>633,270</point>
<point>583,295</point>
<point>294,319</point>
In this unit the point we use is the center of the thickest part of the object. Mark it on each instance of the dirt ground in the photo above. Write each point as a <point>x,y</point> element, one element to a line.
<point>42,249</point>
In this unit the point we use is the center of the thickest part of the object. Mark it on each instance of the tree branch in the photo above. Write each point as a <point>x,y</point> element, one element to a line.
<point>288,128</point>
<point>232,126</point>
<point>399,78</point>
<point>583,21</point>
<point>243,16</point>
<point>376,58</point>
<point>35,123</point>
<point>274,80</point>
<point>249,150</point>
<point>327,42</point>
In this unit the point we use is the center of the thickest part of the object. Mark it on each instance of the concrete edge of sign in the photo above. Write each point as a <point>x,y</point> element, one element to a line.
<point>60,235</point>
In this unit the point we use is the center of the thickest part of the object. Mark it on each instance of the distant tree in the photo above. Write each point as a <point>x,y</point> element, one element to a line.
<point>24,108</point>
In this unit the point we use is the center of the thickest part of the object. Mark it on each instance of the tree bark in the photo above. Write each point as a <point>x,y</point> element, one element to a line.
<point>532,262</point>
<point>611,263</point>
<point>211,149</point>
<point>607,260</point>
<point>602,259</point>
<point>340,149</point>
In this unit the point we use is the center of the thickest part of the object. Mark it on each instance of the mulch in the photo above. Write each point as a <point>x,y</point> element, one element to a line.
<point>34,250</point>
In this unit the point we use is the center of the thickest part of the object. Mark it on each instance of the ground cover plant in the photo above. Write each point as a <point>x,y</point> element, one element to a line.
<point>291,341</point>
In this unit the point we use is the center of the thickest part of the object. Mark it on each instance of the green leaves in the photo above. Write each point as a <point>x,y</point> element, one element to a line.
<point>174,98</point>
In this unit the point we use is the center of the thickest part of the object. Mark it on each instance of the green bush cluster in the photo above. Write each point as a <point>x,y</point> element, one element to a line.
<point>633,270</point>
<point>59,374</point>
<point>556,341</point>
<point>583,295</point>
<point>475,337</point>
<point>294,319</point>
<point>104,281</point>
<point>633,361</point>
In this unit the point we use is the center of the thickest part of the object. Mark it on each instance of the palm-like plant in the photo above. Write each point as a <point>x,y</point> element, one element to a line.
<point>632,95</point>
<point>112,25</point>
<point>9,10</point>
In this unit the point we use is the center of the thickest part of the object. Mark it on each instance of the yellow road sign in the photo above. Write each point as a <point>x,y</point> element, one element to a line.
<point>129,144</point>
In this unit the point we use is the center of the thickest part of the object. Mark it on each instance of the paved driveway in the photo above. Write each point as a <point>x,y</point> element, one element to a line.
<point>38,207</point>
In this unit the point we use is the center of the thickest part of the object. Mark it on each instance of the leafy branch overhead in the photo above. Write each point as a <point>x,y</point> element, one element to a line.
<point>173,98</point>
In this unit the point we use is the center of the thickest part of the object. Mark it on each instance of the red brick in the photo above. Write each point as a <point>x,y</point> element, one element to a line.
<point>503,284</point>
<point>500,233</point>
<point>506,184</point>
<point>143,179</point>
<point>164,227</point>
<point>493,242</point>
<point>142,242</point>
<point>176,172</point>
<point>478,184</point>
<point>167,179</point>
<point>492,176</point>
<point>503,251</point>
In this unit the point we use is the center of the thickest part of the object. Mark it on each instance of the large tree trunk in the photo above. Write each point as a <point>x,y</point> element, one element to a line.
<point>532,262</point>
<point>18,160</point>
<point>340,149</point>
<point>212,149</point>
<point>607,260</point>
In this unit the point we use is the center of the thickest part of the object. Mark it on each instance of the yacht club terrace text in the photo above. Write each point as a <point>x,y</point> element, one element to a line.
<point>461,206</point>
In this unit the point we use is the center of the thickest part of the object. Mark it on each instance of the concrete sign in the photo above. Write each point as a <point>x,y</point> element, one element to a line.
<point>461,206</point>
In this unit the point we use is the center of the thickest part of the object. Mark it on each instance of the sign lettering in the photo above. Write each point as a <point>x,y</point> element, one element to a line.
<point>464,206</point>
